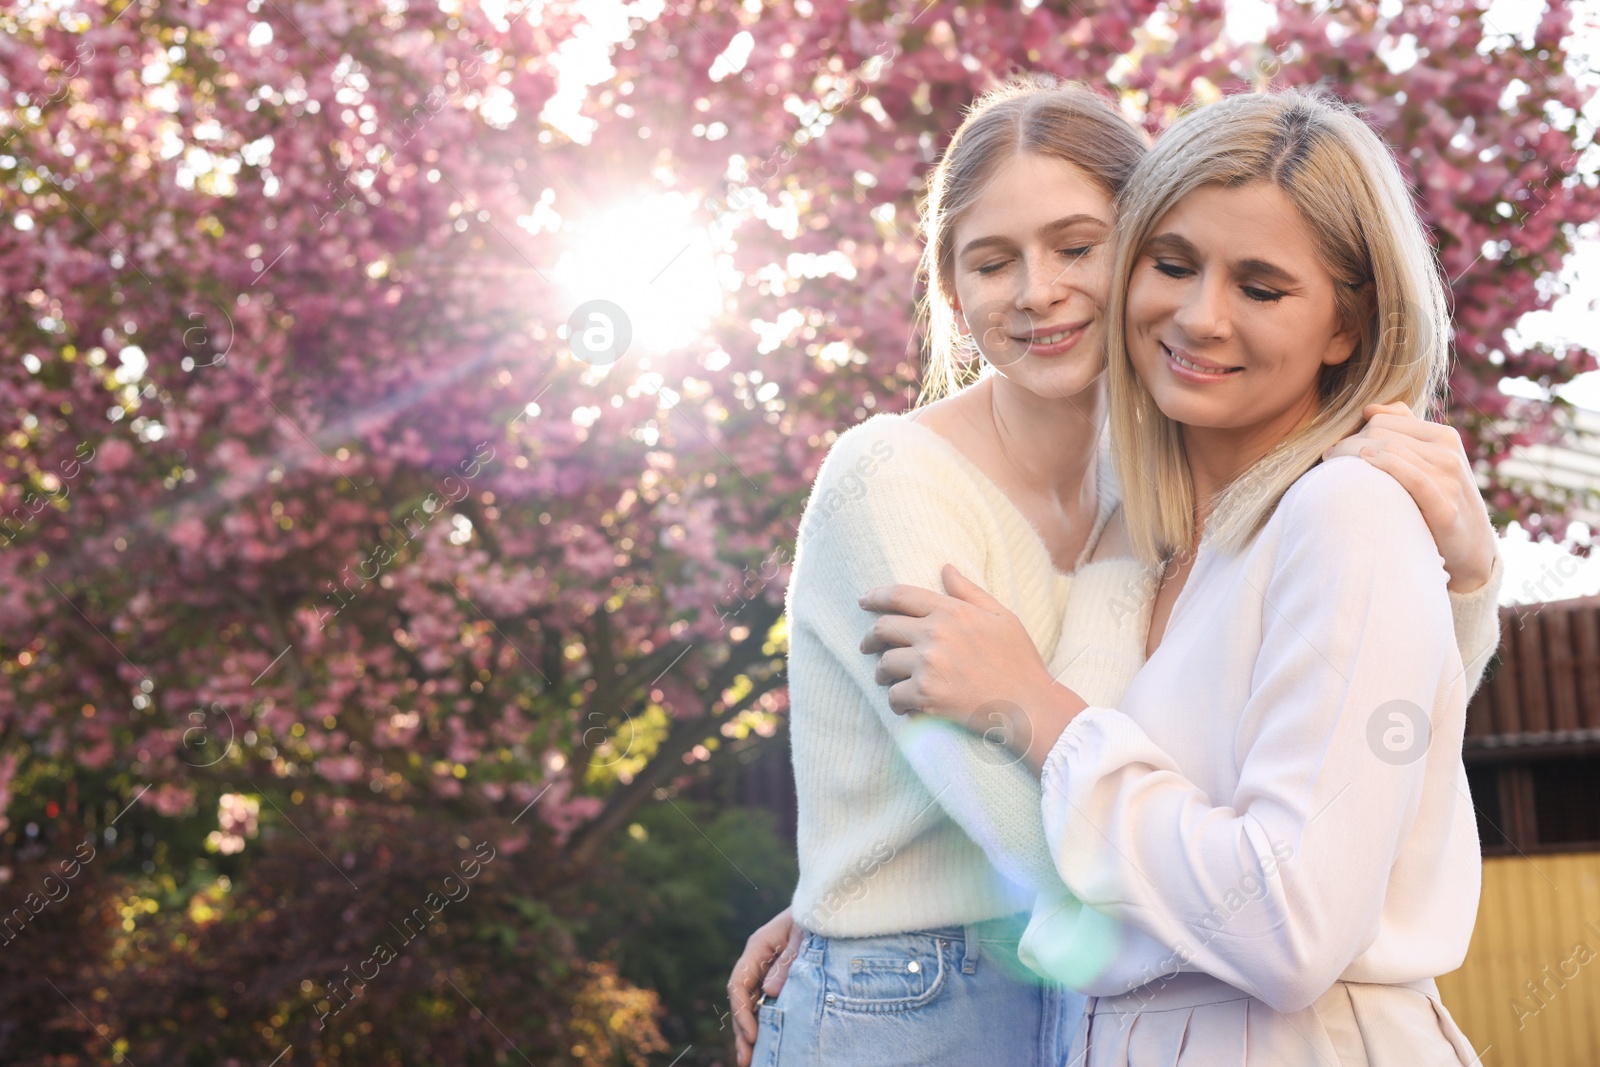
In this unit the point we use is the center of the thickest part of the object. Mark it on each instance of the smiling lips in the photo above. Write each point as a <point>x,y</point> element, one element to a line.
<point>1056,341</point>
<point>1192,368</point>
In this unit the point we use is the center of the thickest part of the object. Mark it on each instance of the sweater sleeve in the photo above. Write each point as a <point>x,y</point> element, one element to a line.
<point>1477,624</point>
<point>1355,645</point>
<point>887,511</point>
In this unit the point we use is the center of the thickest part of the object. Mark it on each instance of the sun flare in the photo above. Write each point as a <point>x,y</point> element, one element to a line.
<point>649,259</point>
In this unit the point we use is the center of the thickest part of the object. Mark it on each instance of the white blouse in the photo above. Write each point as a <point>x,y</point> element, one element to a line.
<point>1279,799</point>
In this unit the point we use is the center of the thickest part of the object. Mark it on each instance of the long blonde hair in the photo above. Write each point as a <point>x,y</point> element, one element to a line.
<point>1359,211</point>
<point>1035,114</point>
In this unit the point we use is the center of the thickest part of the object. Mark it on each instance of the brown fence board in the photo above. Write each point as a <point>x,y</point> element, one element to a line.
<point>1500,692</point>
<point>1560,670</point>
<point>1533,705</point>
<point>1586,664</point>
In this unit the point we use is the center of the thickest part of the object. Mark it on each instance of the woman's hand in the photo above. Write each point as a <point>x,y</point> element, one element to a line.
<point>965,658</point>
<point>1428,460</point>
<point>762,968</point>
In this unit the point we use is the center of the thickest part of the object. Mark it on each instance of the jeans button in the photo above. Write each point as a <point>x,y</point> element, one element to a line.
<point>913,966</point>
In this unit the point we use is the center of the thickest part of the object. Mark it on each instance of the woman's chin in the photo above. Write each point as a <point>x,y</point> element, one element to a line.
<point>1184,406</point>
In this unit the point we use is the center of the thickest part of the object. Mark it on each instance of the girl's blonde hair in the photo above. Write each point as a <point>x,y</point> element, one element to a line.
<point>1038,115</point>
<point>1359,212</point>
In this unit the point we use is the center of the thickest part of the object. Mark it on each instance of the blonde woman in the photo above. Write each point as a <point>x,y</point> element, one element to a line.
<point>921,848</point>
<point>1269,832</point>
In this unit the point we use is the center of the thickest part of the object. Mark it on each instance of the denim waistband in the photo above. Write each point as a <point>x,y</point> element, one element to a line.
<point>1007,928</point>
<point>1002,928</point>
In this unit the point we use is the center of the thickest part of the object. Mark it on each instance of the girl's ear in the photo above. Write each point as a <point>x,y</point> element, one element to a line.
<point>961,318</point>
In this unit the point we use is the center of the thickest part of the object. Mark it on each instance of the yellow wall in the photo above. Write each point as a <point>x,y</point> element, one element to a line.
<point>1539,922</point>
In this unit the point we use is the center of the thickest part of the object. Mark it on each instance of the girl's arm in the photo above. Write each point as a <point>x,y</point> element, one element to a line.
<point>763,967</point>
<point>891,511</point>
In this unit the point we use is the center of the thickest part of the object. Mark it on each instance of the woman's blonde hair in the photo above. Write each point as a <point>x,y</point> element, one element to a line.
<point>1359,212</point>
<point>1035,114</point>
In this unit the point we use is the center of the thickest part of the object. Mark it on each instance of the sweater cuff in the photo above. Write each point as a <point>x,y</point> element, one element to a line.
<point>1476,616</point>
<point>1489,590</point>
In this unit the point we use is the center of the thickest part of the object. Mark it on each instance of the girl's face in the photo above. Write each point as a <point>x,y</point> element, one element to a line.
<point>1231,315</point>
<point>1032,274</point>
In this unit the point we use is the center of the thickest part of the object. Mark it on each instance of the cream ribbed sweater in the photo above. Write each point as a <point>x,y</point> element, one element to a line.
<point>910,823</point>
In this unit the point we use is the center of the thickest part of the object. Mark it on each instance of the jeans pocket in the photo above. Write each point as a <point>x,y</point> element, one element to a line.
<point>881,974</point>
<point>768,1037</point>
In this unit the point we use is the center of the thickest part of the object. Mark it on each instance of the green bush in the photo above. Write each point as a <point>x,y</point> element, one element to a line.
<point>695,882</point>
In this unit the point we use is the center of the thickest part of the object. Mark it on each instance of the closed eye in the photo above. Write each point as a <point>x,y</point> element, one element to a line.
<point>1172,270</point>
<point>990,268</point>
<point>1262,296</point>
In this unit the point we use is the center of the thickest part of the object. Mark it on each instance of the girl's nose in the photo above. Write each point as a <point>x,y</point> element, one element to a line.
<point>1044,286</point>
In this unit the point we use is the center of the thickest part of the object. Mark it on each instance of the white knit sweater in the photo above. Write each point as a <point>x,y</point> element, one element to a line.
<point>911,823</point>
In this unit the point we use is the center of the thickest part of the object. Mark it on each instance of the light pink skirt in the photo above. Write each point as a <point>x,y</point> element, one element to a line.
<point>1195,1020</point>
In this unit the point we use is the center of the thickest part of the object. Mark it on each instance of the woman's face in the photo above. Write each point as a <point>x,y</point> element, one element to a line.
<point>1032,273</point>
<point>1231,315</point>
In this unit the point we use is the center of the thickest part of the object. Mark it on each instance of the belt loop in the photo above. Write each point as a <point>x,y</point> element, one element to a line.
<point>969,953</point>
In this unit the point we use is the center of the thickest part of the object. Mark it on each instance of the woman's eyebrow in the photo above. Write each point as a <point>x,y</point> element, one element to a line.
<point>1261,268</point>
<point>1171,242</point>
<point>1179,245</point>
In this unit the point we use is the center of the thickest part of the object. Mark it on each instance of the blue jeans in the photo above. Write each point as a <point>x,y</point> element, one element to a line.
<point>925,999</point>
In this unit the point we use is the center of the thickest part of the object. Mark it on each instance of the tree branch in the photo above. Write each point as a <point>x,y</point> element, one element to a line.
<point>682,737</point>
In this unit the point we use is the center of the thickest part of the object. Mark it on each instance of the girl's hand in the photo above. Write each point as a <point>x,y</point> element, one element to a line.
<point>762,968</point>
<point>965,658</point>
<point>1428,460</point>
